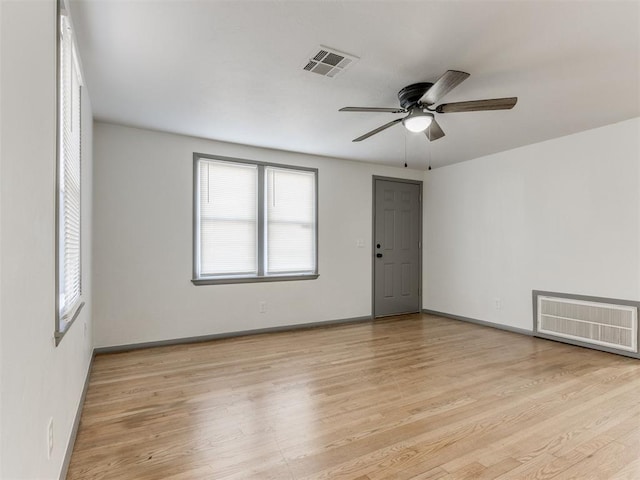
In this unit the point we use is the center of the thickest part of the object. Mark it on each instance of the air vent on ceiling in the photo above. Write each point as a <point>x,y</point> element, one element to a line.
<point>328,62</point>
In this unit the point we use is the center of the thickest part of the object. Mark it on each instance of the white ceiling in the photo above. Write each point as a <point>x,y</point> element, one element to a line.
<point>232,70</point>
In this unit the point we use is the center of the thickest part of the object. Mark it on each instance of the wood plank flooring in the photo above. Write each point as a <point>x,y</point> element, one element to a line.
<point>414,397</point>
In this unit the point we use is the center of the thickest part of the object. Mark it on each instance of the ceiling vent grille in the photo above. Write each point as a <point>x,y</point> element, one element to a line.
<point>328,62</point>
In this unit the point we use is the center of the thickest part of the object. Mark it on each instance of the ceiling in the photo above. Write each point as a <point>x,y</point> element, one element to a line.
<point>232,70</point>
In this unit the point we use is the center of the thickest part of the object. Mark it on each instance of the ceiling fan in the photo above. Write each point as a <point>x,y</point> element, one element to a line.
<point>418,99</point>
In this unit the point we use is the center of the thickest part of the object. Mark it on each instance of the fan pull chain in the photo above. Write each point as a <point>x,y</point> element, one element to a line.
<point>405,150</point>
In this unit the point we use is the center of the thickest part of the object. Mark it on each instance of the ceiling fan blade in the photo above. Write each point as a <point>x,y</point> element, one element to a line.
<point>434,132</point>
<point>478,105</point>
<point>377,130</point>
<point>447,82</point>
<point>372,109</point>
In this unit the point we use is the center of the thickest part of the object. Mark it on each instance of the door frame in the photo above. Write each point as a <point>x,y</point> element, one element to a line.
<point>373,238</point>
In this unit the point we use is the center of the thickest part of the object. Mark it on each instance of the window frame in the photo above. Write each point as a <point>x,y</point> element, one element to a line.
<point>198,279</point>
<point>64,320</point>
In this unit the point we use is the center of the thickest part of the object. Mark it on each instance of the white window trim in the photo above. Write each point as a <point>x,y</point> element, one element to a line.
<point>198,279</point>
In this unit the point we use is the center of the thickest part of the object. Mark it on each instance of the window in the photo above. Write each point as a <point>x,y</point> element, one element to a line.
<point>68,258</point>
<point>253,221</point>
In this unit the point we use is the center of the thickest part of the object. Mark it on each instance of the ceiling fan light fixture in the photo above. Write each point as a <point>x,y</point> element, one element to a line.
<point>418,120</point>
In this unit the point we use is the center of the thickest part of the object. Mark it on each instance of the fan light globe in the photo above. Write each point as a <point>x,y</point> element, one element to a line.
<point>417,121</point>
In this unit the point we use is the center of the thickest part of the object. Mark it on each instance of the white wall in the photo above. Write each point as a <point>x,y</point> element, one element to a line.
<point>562,215</point>
<point>143,235</point>
<point>38,380</point>
<point>1,151</point>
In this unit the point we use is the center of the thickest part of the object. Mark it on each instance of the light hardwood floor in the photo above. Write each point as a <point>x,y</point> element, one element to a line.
<point>414,397</point>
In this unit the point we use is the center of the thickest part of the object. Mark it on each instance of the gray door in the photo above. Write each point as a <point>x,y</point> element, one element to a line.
<point>396,247</point>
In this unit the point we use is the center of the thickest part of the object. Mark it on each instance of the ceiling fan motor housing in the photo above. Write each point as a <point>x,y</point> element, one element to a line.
<point>410,94</point>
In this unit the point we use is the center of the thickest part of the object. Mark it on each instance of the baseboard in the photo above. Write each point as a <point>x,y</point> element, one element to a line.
<point>219,336</point>
<point>484,323</point>
<point>76,422</point>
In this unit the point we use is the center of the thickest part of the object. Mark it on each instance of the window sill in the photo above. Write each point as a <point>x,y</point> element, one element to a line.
<point>270,278</point>
<point>72,315</point>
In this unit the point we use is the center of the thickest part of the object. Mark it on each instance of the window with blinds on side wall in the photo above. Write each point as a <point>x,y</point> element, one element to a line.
<point>68,258</point>
<point>253,221</point>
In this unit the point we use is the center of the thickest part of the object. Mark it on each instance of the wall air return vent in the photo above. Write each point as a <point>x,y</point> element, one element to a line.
<point>601,323</point>
<point>328,62</point>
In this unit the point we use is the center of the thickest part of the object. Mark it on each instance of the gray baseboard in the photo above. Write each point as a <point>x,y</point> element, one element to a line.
<point>484,323</point>
<point>76,422</point>
<point>239,333</point>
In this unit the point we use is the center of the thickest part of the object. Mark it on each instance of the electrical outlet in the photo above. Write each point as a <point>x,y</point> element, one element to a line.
<point>360,243</point>
<point>498,303</point>
<point>262,307</point>
<point>50,438</point>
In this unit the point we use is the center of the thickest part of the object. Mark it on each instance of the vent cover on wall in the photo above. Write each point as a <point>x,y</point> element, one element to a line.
<point>587,321</point>
<point>328,62</point>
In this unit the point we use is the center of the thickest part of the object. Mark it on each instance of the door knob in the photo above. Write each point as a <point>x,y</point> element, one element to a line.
<point>379,255</point>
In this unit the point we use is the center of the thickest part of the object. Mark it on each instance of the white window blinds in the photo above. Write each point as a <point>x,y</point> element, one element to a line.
<point>290,212</point>
<point>228,218</point>
<point>253,221</point>
<point>69,233</point>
